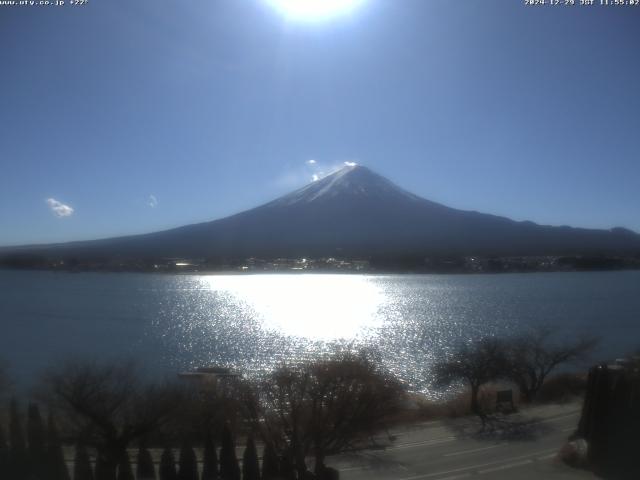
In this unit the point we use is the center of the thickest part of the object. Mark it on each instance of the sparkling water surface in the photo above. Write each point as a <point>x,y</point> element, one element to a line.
<point>253,322</point>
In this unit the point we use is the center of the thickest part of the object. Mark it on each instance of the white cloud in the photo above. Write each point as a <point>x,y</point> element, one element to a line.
<point>315,177</point>
<point>59,209</point>
<point>152,201</point>
<point>350,164</point>
<point>310,162</point>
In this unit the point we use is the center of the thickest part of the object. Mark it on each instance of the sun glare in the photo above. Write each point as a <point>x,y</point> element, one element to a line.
<point>310,10</point>
<point>316,307</point>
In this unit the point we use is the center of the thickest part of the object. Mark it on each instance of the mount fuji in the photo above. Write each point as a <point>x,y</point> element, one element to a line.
<point>353,212</point>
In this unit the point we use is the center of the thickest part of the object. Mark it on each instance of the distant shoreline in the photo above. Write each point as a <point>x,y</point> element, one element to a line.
<point>386,266</point>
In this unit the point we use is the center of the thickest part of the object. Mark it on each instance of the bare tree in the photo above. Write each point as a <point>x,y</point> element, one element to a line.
<point>532,357</point>
<point>328,407</point>
<point>205,411</point>
<point>108,406</point>
<point>475,364</point>
<point>284,395</point>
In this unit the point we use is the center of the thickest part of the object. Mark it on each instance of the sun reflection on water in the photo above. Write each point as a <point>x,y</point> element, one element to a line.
<point>315,307</point>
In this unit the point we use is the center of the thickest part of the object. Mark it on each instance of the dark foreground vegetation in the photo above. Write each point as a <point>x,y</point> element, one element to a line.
<point>106,422</point>
<point>296,413</point>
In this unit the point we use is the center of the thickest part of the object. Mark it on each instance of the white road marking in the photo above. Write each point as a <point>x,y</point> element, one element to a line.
<point>548,457</point>
<point>422,444</point>
<point>560,417</point>
<point>456,477</point>
<point>473,450</point>
<point>506,466</point>
<point>365,467</point>
<point>350,469</point>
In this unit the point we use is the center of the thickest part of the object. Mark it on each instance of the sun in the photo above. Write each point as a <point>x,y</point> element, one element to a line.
<point>310,10</point>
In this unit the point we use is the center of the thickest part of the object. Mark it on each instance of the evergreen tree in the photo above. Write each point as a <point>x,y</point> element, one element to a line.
<point>37,450</point>
<point>168,466</point>
<point>188,463</point>
<point>56,466</point>
<point>270,469</point>
<point>82,464</point>
<point>145,470</point>
<point>210,461</point>
<point>4,453</point>
<point>18,464</point>
<point>287,468</point>
<point>250,465</point>
<point>125,472</point>
<point>103,469</point>
<point>229,468</point>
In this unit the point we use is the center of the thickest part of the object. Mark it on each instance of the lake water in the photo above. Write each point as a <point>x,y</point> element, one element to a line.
<point>253,322</point>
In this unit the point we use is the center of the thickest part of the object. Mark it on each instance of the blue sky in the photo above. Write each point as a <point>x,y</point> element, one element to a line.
<point>215,106</point>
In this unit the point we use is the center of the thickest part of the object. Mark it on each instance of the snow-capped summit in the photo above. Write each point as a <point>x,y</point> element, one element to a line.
<point>350,182</point>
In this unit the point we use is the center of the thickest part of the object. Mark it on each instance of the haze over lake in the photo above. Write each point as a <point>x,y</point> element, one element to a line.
<point>251,322</point>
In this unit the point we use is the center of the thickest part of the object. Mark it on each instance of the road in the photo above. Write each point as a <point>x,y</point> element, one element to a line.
<point>522,446</point>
